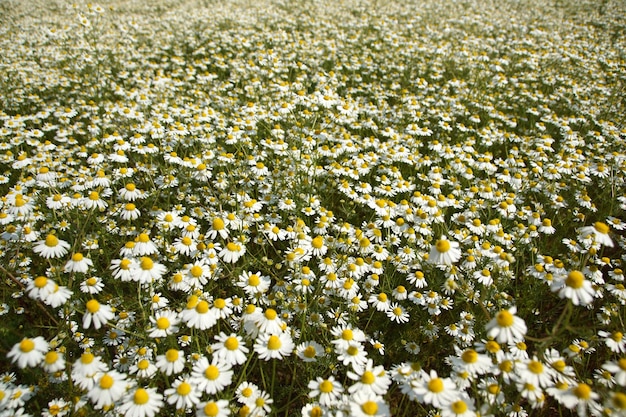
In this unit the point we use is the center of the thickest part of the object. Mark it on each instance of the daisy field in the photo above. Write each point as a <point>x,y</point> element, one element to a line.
<point>313,208</point>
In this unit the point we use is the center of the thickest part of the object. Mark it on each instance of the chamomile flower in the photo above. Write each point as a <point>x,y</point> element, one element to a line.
<point>231,252</point>
<point>144,245</point>
<point>211,377</point>
<point>30,352</point>
<point>371,379</point>
<point>310,351</point>
<point>218,408</point>
<point>96,314</point>
<point>171,362</point>
<point>164,323</point>
<point>54,361</point>
<point>506,327</point>
<point>78,263</point>
<point>183,394</point>
<point>109,387</point>
<point>92,285</point>
<point>600,233</point>
<point>575,287</point>
<point>431,389</point>
<point>444,252</point>
<point>273,346</point>
<point>197,315</point>
<point>366,404</point>
<point>141,402</point>
<point>327,391</point>
<point>51,247</point>
<point>230,348</point>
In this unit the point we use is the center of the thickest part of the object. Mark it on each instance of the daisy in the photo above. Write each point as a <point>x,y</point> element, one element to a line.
<point>469,361</point>
<point>599,231</point>
<point>85,369</point>
<point>143,368</point>
<point>254,284</point>
<point>615,341</point>
<point>219,408</point>
<point>444,252</point>
<point>123,269</point>
<point>197,314</point>
<point>92,285</point>
<point>232,252</point>
<point>431,389</point>
<point>575,287</point>
<point>247,392</point>
<point>30,352</point>
<point>328,390</point>
<point>147,271</point>
<point>40,287</point>
<point>130,192</point>
<point>93,201</point>
<point>354,355</point>
<point>109,387</point>
<point>171,362</point>
<point>506,327</point>
<point>397,313</point>
<point>129,212</point>
<point>617,369</point>
<point>141,402</point>
<point>218,227</point>
<point>273,346</point>
<point>230,348</point>
<point>144,246</point>
<point>462,407</point>
<point>366,404</point>
<point>310,351</point>
<point>78,263</point>
<point>370,379</point>
<point>183,394</point>
<point>54,361</point>
<point>533,371</point>
<point>51,247</point>
<point>211,377</point>
<point>165,323</point>
<point>96,313</point>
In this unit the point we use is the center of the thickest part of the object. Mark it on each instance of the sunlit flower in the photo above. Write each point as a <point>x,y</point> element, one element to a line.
<point>183,394</point>
<point>164,323</point>
<point>109,387</point>
<point>96,314</point>
<point>575,287</point>
<point>230,348</point>
<point>506,327</point>
<point>366,404</point>
<point>51,247</point>
<point>141,402</point>
<point>211,377</point>
<point>444,252</point>
<point>171,362</point>
<point>273,346</point>
<point>327,391</point>
<point>78,263</point>
<point>600,233</point>
<point>218,408</point>
<point>231,252</point>
<point>29,352</point>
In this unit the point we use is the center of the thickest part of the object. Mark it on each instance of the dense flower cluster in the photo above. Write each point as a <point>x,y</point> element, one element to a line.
<point>313,208</point>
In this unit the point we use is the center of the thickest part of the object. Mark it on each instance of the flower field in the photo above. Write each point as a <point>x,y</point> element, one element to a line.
<point>316,208</point>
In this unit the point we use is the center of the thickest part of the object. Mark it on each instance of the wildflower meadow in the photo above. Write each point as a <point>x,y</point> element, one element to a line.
<point>313,208</point>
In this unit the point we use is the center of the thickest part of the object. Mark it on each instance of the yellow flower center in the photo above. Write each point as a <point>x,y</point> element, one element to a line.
<point>211,409</point>
<point>492,347</point>
<point>202,307</point>
<point>218,224</point>
<point>212,372</point>
<point>442,246</point>
<point>601,228</point>
<point>87,358</point>
<point>318,242</point>
<point>94,196</point>
<point>233,247</point>
<point>27,345</point>
<point>274,343</point>
<point>254,280</point>
<point>41,282</point>
<point>171,355</point>
<point>130,187</point>
<point>504,319</point>
<point>309,352</point>
<point>370,408</point>
<point>77,257</point>
<point>347,334</point>
<point>129,207</point>
<point>51,241</point>
<point>196,271</point>
<point>220,303</point>
<point>582,391</point>
<point>575,279</point>
<point>51,357</point>
<point>125,264</point>
<point>93,306</point>
<point>183,389</point>
<point>535,367</point>
<point>469,356</point>
<point>458,407</point>
<point>143,364</point>
<point>231,343</point>
<point>143,238</point>
<point>326,386</point>
<point>146,263</point>
<point>435,385</point>
<point>619,401</point>
<point>162,323</point>
<point>106,381</point>
<point>270,314</point>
